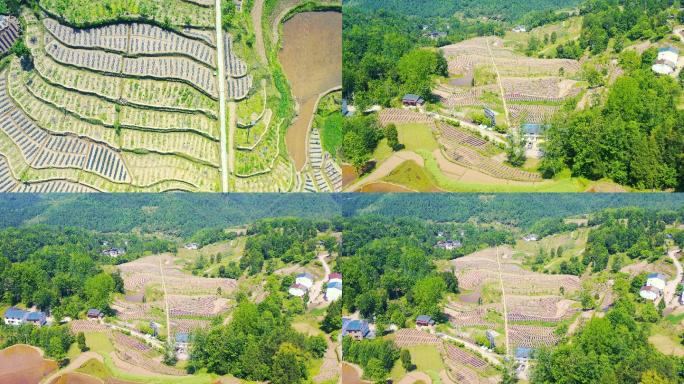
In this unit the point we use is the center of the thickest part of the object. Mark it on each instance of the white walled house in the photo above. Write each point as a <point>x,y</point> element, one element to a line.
<point>666,63</point>
<point>649,292</point>
<point>306,279</point>
<point>298,290</point>
<point>657,280</point>
<point>333,291</point>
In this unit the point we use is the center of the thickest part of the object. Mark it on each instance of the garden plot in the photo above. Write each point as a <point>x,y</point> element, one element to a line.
<point>408,337</point>
<point>459,356</point>
<point>152,168</point>
<point>468,316</point>
<point>110,37</point>
<point>145,272</point>
<point>238,89</point>
<point>189,325</point>
<point>507,61</point>
<point>47,112</point>
<point>461,136</point>
<point>204,306</point>
<point>83,58</point>
<point>7,180</point>
<point>553,89</point>
<point>324,174</point>
<point>262,157</point>
<point>235,67</point>
<point>132,311</point>
<point>401,116</point>
<point>163,68</point>
<point>472,159</point>
<point>140,359</point>
<point>41,149</point>
<point>528,113</point>
<point>130,342</point>
<point>476,269</point>
<point>178,13</point>
<point>249,137</point>
<point>87,326</point>
<point>134,39</point>
<point>278,180</point>
<point>549,309</point>
<point>532,336</point>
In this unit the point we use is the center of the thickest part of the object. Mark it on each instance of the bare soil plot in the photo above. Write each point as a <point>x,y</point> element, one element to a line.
<point>312,61</point>
<point>24,364</point>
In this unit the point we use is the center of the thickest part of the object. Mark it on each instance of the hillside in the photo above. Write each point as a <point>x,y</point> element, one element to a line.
<point>504,10</point>
<point>183,214</point>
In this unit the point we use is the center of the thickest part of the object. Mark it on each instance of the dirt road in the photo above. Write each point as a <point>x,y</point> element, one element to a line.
<point>503,301</point>
<point>498,78</point>
<point>222,97</point>
<point>491,357</point>
<point>671,287</point>
<point>386,167</point>
<point>257,12</point>
<point>166,303</point>
<point>73,365</point>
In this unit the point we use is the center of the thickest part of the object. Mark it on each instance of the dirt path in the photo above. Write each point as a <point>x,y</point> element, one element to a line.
<point>257,13</point>
<point>491,357</point>
<point>74,365</point>
<point>166,303</point>
<point>671,287</point>
<point>498,78</point>
<point>386,167</point>
<point>414,376</point>
<point>222,97</point>
<point>316,291</point>
<point>503,301</point>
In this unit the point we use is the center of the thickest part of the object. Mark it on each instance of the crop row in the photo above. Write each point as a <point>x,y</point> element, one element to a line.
<point>40,149</point>
<point>187,143</point>
<point>174,68</point>
<point>278,180</point>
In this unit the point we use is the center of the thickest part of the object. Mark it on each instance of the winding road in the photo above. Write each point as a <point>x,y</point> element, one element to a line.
<point>671,287</point>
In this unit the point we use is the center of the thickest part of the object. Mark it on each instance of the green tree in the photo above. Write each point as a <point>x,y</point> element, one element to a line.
<point>289,366</point>
<point>81,340</point>
<point>98,291</point>
<point>406,360</point>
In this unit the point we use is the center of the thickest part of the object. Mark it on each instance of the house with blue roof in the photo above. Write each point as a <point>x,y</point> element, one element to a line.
<point>524,353</point>
<point>356,329</point>
<point>16,316</point>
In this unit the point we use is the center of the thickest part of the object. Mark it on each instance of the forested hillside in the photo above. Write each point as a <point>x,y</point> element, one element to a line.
<point>175,214</point>
<point>504,10</point>
<point>184,215</point>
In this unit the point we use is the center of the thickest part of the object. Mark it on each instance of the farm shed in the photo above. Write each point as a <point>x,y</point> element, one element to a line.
<point>411,100</point>
<point>424,321</point>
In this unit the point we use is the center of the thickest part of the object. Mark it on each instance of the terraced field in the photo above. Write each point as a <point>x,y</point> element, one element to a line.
<point>533,88</point>
<point>134,107</point>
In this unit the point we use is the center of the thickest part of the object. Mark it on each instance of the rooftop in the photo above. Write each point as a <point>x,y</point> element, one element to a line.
<point>411,97</point>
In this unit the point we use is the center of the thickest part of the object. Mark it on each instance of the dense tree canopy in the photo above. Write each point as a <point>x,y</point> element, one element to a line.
<point>636,138</point>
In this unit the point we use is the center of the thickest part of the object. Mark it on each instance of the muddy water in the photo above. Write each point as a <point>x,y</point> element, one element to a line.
<point>23,364</point>
<point>312,60</point>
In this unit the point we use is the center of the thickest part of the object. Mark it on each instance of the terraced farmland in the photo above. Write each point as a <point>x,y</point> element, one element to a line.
<point>533,88</point>
<point>133,107</point>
